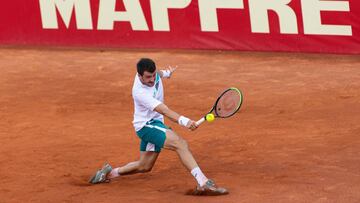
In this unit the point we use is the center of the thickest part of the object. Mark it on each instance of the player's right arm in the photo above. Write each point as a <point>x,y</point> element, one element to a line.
<point>153,104</point>
<point>173,116</point>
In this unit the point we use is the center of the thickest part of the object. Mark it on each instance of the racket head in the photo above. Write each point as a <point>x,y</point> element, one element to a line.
<point>228,103</point>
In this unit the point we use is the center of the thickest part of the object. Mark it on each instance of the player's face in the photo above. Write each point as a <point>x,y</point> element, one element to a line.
<point>148,78</point>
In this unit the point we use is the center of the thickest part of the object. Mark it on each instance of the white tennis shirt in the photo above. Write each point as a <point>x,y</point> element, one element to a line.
<point>145,100</point>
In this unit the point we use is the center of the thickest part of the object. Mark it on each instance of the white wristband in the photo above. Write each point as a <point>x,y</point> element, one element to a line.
<point>183,121</point>
<point>166,73</point>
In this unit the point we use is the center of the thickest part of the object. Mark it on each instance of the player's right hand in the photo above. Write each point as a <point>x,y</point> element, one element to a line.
<point>191,125</point>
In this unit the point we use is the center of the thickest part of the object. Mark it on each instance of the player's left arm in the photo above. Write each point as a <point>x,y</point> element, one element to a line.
<point>166,73</point>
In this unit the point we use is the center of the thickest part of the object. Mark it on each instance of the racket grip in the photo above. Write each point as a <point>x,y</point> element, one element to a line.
<point>200,121</point>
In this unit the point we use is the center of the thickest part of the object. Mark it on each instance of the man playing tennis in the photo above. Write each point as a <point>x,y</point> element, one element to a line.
<point>149,125</point>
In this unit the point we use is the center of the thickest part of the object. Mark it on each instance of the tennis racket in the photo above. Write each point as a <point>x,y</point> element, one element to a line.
<point>228,103</point>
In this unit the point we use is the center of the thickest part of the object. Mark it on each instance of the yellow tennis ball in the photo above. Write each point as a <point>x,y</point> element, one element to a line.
<point>210,117</point>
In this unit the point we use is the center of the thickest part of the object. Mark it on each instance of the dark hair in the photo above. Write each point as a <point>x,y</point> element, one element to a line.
<point>145,64</point>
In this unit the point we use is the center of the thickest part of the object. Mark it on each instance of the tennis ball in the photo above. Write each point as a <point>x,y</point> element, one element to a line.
<point>210,117</point>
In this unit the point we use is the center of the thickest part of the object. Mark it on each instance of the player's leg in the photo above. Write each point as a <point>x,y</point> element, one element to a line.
<point>178,144</point>
<point>205,186</point>
<point>144,164</point>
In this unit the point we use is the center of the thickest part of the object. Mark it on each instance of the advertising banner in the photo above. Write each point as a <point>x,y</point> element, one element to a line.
<point>326,26</point>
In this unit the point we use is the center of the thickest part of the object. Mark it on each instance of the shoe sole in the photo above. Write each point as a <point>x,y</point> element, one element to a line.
<point>206,192</point>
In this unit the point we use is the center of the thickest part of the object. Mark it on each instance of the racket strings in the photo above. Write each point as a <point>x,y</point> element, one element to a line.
<point>228,103</point>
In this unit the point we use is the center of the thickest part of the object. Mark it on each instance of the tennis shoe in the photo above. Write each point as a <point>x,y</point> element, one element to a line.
<point>210,189</point>
<point>101,175</point>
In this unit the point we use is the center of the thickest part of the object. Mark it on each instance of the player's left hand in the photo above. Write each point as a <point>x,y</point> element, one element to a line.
<point>171,69</point>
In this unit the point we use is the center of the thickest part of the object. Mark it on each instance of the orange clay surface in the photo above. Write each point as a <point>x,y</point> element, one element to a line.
<point>63,113</point>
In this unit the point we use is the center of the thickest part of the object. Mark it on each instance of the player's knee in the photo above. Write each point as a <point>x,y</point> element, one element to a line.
<point>144,168</point>
<point>185,143</point>
<point>181,144</point>
<point>175,142</point>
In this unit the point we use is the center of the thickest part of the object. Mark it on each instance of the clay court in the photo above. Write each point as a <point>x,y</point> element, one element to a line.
<point>65,112</point>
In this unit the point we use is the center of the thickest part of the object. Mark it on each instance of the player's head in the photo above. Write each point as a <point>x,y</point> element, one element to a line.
<point>146,69</point>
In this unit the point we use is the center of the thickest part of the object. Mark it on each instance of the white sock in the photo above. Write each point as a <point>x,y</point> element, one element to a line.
<point>114,173</point>
<point>199,176</point>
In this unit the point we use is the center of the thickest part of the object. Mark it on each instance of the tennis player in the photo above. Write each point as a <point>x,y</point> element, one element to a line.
<point>149,125</point>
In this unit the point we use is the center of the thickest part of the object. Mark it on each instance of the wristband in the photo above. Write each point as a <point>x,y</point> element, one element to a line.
<point>183,121</point>
<point>166,73</point>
